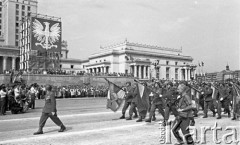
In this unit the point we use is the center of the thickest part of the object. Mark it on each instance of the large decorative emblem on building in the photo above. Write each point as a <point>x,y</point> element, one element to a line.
<point>46,36</point>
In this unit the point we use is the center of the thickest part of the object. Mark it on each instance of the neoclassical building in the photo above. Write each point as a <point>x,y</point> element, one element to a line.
<point>141,60</point>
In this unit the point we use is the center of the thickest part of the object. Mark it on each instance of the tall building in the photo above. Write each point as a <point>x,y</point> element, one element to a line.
<point>12,13</point>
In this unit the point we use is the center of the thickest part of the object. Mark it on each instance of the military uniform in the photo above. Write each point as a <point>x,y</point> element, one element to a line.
<point>49,110</point>
<point>182,121</point>
<point>208,101</point>
<point>223,101</point>
<point>128,101</point>
<point>133,104</point>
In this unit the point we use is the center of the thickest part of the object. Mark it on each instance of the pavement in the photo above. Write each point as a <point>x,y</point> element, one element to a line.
<point>88,122</point>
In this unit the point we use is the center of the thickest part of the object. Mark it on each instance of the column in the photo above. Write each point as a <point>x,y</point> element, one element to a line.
<point>189,74</point>
<point>144,72</point>
<point>13,63</point>
<point>180,74</point>
<point>4,63</point>
<point>140,72</point>
<point>194,74</point>
<point>102,69</point>
<point>105,69</point>
<point>185,74</point>
<point>135,70</point>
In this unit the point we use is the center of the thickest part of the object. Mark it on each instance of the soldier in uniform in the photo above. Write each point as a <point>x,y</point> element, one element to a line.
<point>156,103</point>
<point>208,100</point>
<point>49,110</point>
<point>134,101</point>
<point>128,100</point>
<point>223,101</point>
<point>182,120</point>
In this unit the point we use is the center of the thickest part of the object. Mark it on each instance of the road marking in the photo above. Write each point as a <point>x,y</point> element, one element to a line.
<point>65,134</point>
<point>61,116</point>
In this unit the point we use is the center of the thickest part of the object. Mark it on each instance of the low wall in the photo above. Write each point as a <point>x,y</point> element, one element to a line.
<point>61,80</point>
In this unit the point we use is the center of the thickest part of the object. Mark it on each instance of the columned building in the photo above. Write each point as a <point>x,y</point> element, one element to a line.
<point>142,61</point>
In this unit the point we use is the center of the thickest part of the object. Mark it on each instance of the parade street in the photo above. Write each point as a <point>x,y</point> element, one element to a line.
<point>88,122</point>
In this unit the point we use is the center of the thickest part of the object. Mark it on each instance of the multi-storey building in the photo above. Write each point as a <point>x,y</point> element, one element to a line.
<point>12,13</point>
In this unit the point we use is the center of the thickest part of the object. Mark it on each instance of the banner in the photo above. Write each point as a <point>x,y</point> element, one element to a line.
<point>115,96</point>
<point>142,97</point>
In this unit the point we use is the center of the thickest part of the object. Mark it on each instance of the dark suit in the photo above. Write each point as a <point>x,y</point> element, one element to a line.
<point>48,109</point>
<point>223,101</point>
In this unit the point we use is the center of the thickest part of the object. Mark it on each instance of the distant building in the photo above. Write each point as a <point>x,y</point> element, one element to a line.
<point>11,14</point>
<point>143,61</point>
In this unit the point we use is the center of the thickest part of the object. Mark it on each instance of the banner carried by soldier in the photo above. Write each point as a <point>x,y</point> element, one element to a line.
<point>115,96</point>
<point>236,100</point>
<point>143,93</point>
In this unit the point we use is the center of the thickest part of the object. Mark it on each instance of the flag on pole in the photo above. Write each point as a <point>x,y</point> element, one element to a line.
<point>143,93</point>
<point>115,96</point>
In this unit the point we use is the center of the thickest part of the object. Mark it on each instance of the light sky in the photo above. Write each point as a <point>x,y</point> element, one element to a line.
<point>207,30</point>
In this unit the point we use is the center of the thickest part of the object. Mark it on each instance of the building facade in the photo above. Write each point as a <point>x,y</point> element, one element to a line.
<point>12,13</point>
<point>143,61</point>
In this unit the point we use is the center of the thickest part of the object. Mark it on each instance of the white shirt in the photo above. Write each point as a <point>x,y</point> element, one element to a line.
<point>16,92</point>
<point>3,94</point>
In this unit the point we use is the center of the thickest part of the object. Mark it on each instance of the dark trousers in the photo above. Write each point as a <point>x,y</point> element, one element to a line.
<point>132,108</point>
<point>154,107</point>
<point>3,105</point>
<point>54,118</point>
<point>125,106</point>
<point>168,109</point>
<point>223,104</point>
<point>208,104</point>
<point>183,124</point>
<point>32,103</point>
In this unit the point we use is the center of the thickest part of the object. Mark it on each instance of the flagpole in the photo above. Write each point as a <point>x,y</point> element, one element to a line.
<point>114,84</point>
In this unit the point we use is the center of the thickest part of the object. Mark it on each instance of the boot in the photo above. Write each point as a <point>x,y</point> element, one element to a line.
<point>40,131</point>
<point>129,118</point>
<point>148,120</point>
<point>140,119</point>
<point>62,129</point>
<point>229,115</point>
<point>214,114</point>
<point>154,118</point>
<point>219,117</point>
<point>122,117</point>
<point>135,116</point>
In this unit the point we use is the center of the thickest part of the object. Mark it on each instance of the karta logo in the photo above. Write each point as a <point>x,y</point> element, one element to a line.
<point>46,36</point>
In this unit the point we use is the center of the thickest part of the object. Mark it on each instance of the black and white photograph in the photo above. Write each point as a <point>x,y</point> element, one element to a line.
<point>119,72</point>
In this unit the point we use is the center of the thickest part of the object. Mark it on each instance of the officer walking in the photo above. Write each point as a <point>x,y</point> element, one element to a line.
<point>49,110</point>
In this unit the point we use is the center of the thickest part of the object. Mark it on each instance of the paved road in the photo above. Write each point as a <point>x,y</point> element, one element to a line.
<point>90,123</point>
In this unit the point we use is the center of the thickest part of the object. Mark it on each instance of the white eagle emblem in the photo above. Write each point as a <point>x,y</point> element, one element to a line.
<point>45,37</point>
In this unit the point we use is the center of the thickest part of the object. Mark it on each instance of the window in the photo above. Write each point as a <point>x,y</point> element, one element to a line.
<point>17,24</point>
<point>23,13</point>
<point>72,66</point>
<point>176,73</point>
<point>16,43</point>
<point>17,6</point>
<point>17,18</point>
<point>167,72</point>
<point>29,14</point>
<point>176,63</point>
<point>167,62</point>
<point>17,31</point>
<point>29,8</point>
<point>0,8</point>
<point>0,26</point>
<point>23,7</point>
<point>0,33</point>
<point>60,66</point>
<point>16,36</point>
<point>0,3</point>
<point>17,12</point>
